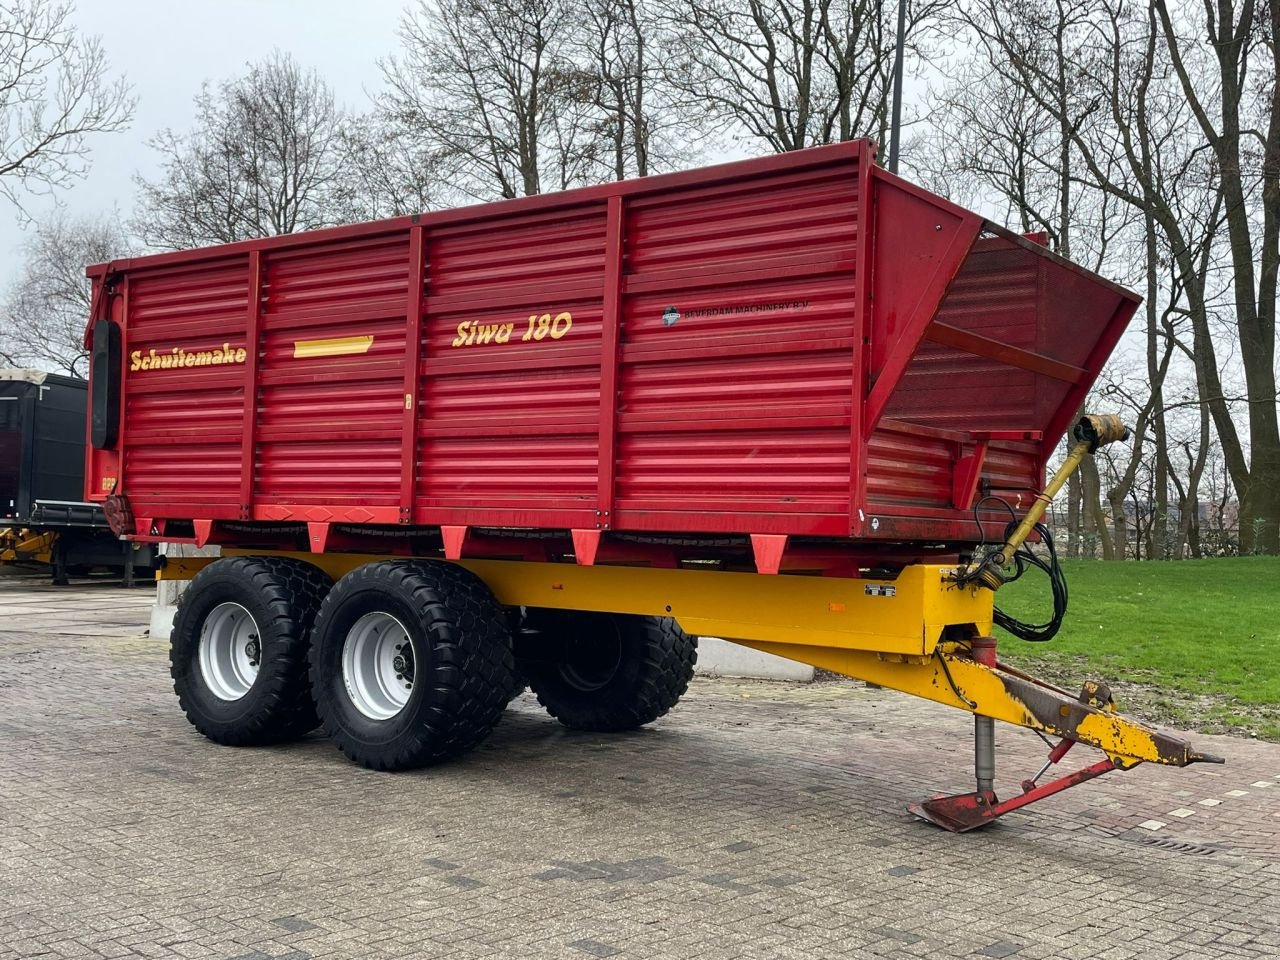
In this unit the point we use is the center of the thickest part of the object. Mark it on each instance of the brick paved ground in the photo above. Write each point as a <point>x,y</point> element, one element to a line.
<point>757,820</point>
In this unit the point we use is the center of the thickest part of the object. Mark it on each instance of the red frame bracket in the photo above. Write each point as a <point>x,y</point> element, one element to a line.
<point>414,302</point>
<point>975,343</point>
<point>611,322</point>
<point>586,545</point>
<point>318,535</point>
<point>768,549</point>
<point>252,343</point>
<point>964,480</point>
<point>454,538</point>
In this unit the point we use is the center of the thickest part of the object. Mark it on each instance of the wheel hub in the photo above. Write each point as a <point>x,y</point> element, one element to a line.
<point>378,665</point>
<point>229,652</point>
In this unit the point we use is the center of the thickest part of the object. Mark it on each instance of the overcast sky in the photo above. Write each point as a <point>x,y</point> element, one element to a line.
<point>167,48</point>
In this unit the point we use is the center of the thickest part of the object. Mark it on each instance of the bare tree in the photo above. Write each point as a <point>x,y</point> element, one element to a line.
<point>45,310</point>
<point>262,159</point>
<point>621,46</point>
<point>56,91</point>
<point>987,145</point>
<point>1230,85</point>
<point>616,44</point>
<point>1100,69</point>
<point>989,138</point>
<point>487,84</point>
<point>1190,184</point>
<point>787,73</point>
<point>386,171</point>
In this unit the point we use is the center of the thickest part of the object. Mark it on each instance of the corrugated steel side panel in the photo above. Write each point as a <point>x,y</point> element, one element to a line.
<point>908,470</point>
<point>1013,471</point>
<point>738,333</point>
<point>743,378</point>
<point>1012,296</point>
<point>509,403</point>
<point>997,294</point>
<point>183,423</point>
<point>330,379</point>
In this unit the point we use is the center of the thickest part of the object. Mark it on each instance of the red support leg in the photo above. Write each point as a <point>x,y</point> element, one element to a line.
<point>967,811</point>
<point>454,538</point>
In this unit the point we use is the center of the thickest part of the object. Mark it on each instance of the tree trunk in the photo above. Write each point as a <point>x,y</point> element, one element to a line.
<point>1074,531</point>
<point>1260,506</point>
<point>1091,488</point>
<point>1160,491</point>
<point>1119,522</point>
<point>1191,524</point>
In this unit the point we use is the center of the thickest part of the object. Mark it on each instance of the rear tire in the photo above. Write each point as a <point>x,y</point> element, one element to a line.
<point>238,650</point>
<point>610,672</point>
<point>411,663</point>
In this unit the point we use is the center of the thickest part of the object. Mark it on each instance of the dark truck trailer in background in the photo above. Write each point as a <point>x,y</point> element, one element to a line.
<point>43,514</point>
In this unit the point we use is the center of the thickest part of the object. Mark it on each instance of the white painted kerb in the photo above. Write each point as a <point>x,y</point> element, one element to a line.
<point>720,658</point>
<point>167,591</point>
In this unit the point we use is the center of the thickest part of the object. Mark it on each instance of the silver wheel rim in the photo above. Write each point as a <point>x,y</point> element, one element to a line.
<point>230,651</point>
<point>378,665</point>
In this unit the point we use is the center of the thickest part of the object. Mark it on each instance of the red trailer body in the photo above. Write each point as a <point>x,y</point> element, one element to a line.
<point>800,346</point>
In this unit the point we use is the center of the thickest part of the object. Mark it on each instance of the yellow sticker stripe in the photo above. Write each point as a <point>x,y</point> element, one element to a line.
<point>335,347</point>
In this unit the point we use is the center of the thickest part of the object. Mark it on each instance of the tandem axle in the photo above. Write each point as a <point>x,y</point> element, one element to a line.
<point>921,633</point>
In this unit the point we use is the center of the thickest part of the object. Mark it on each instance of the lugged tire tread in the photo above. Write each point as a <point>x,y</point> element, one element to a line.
<point>471,662</point>
<point>292,591</point>
<point>666,665</point>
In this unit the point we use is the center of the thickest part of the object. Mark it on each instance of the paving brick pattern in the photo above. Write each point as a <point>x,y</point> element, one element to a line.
<point>756,820</point>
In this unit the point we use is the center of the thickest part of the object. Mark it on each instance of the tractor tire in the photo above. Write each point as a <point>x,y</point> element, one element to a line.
<point>238,650</point>
<point>411,663</point>
<point>611,672</point>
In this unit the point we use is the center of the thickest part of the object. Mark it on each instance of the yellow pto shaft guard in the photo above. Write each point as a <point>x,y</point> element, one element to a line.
<point>1090,433</point>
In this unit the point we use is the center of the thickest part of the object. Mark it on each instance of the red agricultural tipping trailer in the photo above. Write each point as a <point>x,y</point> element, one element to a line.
<point>793,402</point>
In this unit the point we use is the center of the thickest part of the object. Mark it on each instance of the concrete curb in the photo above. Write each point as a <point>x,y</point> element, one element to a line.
<point>720,658</point>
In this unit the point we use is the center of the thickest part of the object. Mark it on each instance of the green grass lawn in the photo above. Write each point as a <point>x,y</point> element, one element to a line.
<point>1202,636</point>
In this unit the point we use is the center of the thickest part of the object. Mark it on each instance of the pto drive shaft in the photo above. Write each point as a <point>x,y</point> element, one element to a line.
<point>1090,433</point>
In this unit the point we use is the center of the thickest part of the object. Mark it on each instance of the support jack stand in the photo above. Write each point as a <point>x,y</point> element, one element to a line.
<point>967,811</point>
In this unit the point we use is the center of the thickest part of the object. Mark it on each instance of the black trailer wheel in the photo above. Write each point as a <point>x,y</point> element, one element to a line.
<point>609,672</point>
<point>238,651</point>
<point>412,663</point>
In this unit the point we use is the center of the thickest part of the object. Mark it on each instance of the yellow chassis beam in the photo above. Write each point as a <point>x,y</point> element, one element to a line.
<point>951,677</point>
<point>889,632</point>
<point>903,616</point>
